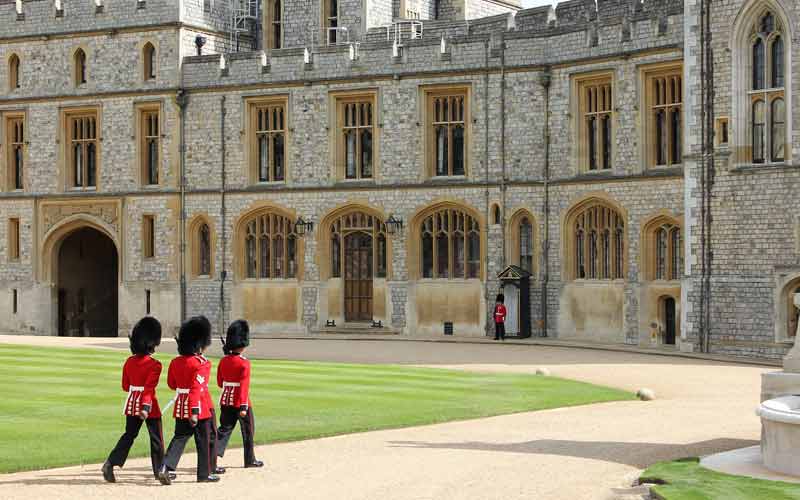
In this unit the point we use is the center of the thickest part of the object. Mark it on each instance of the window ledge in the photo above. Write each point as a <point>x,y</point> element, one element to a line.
<point>268,281</point>
<point>268,185</point>
<point>447,280</point>
<point>447,179</point>
<point>355,182</point>
<point>81,189</point>
<point>758,167</point>
<point>598,281</point>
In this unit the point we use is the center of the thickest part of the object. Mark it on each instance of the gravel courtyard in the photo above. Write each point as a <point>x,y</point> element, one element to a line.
<point>570,453</point>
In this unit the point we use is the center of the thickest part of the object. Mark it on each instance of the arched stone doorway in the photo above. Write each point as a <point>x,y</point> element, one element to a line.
<point>792,313</point>
<point>354,249</point>
<point>669,320</point>
<point>86,276</point>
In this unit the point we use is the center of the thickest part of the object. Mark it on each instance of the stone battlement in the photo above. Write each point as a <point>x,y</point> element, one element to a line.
<point>468,45</point>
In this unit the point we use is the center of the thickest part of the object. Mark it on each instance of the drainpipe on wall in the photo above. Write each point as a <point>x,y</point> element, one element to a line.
<point>503,185</point>
<point>486,162</point>
<point>182,99</point>
<point>223,233</point>
<point>544,78</point>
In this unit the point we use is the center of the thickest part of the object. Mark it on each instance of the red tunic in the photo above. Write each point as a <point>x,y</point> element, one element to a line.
<point>186,377</point>
<point>233,375</point>
<point>139,379</point>
<point>500,313</point>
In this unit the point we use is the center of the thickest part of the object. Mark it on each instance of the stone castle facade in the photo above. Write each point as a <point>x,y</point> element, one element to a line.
<point>366,163</point>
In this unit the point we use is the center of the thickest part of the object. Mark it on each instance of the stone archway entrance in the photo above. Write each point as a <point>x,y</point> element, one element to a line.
<point>87,281</point>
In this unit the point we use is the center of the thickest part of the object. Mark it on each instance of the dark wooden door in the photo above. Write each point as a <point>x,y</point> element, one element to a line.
<point>669,321</point>
<point>358,277</point>
<point>62,312</point>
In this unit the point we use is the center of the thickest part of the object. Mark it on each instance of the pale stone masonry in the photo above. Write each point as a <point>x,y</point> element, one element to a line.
<point>519,70</point>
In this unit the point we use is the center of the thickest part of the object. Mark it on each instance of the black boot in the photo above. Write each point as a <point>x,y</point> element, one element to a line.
<point>164,476</point>
<point>254,463</point>
<point>210,479</point>
<point>108,472</point>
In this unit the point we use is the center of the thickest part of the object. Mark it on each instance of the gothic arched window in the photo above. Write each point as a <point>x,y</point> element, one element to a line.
<point>13,72</point>
<point>662,251</point>
<point>270,246</point>
<point>149,60</point>
<point>767,90</point>
<point>450,245</point>
<point>598,242</point>
<point>79,66</point>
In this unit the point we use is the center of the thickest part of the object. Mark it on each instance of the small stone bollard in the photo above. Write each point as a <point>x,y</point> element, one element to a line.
<point>543,372</point>
<point>646,394</point>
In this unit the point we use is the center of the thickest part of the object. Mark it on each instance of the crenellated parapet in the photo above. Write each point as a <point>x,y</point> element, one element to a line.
<point>42,18</point>
<point>534,37</point>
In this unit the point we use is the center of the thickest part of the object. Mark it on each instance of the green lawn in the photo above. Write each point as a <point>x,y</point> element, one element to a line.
<point>686,480</point>
<point>63,406</point>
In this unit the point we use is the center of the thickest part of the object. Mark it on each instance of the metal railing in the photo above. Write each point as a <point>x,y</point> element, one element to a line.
<point>396,28</point>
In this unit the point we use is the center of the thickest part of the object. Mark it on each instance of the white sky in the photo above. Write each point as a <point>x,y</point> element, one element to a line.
<point>526,4</point>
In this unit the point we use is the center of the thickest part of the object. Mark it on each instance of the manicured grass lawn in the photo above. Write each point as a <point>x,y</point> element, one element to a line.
<point>686,480</point>
<point>64,406</point>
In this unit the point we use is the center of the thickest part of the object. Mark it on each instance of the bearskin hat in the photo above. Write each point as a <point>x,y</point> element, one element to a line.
<point>146,335</point>
<point>238,335</point>
<point>500,298</point>
<point>194,335</point>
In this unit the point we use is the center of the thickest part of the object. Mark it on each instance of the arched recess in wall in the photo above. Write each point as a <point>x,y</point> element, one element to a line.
<point>761,77</point>
<point>661,248</point>
<point>351,229</point>
<point>266,245</point>
<point>522,241</point>
<point>149,62</point>
<point>787,315</point>
<point>447,241</point>
<point>202,244</point>
<point>594,240</point>
<point>80,67</point>
<point>496,218</point>
<point>14,66</point>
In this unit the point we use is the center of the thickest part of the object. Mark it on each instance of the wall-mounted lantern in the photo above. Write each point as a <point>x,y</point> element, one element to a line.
<point>394,225</point>
<point>303,227</point>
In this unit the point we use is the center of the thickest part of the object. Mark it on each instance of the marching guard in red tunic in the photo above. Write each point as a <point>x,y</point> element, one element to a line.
<point>188,377</point>
<point>233,376</point>
<point>140,376</point>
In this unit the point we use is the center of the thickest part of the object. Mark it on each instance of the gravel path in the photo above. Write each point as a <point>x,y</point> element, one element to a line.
<point>568,453</point>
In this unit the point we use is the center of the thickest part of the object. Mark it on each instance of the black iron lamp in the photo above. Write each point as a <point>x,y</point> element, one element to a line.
<point>393,224</point>
<point>199,41</point>
<point>303,227</point>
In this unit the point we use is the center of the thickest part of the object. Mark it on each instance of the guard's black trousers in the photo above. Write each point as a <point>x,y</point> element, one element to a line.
<point>227,421</point>
<point>499,331</point>
<point>202,440</point>
<point>132,425</point>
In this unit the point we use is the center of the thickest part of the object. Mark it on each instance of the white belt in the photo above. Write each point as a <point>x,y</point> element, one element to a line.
<point>131,390</point>
<point>178,392</point>
<point>231,384</point>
